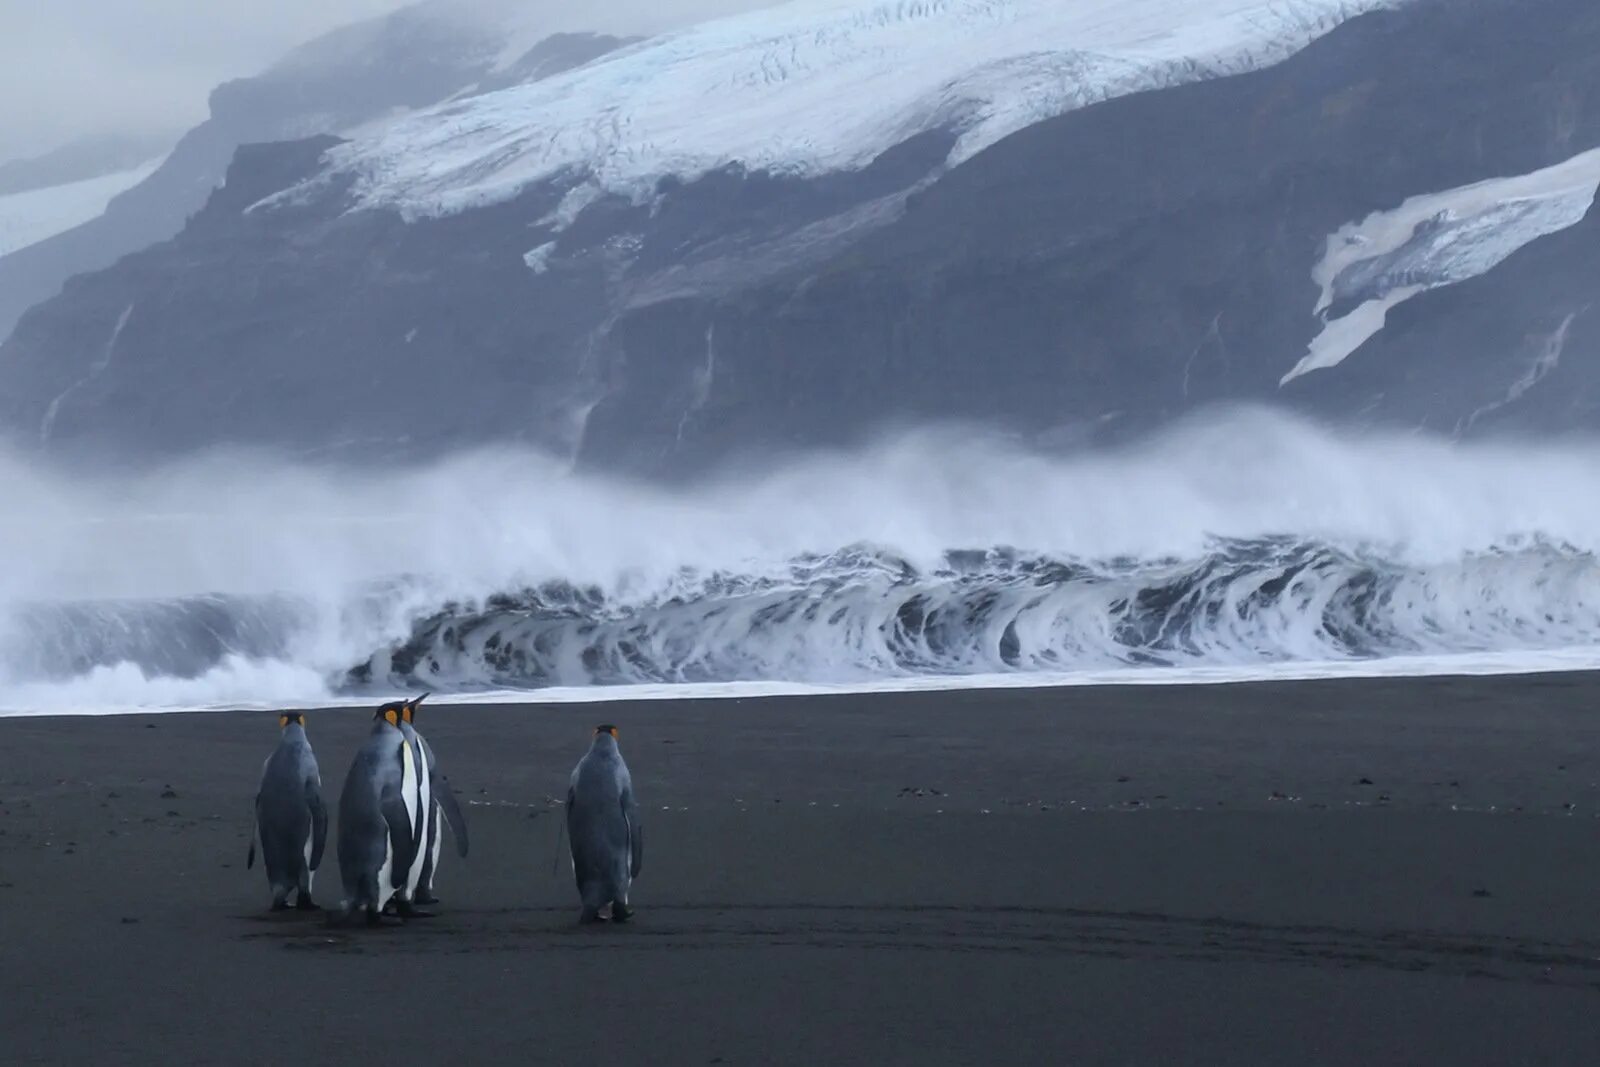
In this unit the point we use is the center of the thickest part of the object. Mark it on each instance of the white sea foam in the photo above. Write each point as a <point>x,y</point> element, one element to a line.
<point>241,581</point>
<point>124,690</point>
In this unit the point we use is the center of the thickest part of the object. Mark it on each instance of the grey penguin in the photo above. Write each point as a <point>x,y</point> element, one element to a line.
<point>291,821</point>
<point>444,799</point>
<point>603,828</point>
<point>380,827</point>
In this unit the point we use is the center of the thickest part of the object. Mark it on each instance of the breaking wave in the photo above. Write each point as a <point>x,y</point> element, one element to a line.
<point>861,614</point>
<point>1246,541</point>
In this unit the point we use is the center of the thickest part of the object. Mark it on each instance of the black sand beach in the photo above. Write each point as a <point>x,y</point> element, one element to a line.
<point>1361,872</point>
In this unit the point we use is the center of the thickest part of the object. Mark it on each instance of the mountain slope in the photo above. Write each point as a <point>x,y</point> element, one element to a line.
<point>628,290</point>
<point>820,86</point>
<point>415,57</point>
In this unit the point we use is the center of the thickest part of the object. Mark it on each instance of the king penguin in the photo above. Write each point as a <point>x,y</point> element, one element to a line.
<point>444,799</point>
<point>291,820</point>
<point>380,827</point>
<point>419,803</point>
<point>604,829</point>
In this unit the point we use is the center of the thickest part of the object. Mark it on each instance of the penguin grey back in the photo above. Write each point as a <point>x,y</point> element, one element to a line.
<point>291,820</point>
<point>603,826</point>
<point>377,834</point>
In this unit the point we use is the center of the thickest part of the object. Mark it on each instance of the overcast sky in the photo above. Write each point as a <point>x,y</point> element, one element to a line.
<point>74,68</point>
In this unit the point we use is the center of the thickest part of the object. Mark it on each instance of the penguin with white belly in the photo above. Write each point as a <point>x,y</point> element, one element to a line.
<point>381,818</point>
<point>419,801</point>
<point>603,827</point>
<point>291,822</point>
<point>444,801</point>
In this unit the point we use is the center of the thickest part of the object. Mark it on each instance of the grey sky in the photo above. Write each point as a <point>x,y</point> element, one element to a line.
<point>74,68</point>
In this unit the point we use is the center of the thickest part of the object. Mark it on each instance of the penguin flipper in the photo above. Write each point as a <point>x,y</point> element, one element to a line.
<point>250,860</point>
<point>452,812</point>
<point>630,814</point>
<point>402,833</point>
<point>319,824</point>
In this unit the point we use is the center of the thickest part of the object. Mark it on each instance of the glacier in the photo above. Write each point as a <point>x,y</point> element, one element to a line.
<point>816,86</point>
<point>30,217</point>
<point>1437,239</point>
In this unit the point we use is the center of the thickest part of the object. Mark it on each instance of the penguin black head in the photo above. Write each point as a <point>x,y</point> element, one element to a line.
<point>391,712</point>
<point>606,728</point>
<point>408,710</point>
<point>287,717</point>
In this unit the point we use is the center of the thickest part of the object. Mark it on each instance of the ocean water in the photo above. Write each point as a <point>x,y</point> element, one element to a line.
<point>1243,545</point>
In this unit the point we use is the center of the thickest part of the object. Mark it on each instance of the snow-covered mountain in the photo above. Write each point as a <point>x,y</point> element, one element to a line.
<point>797,226</point>
<point>818,86</point>
<point>417,56</point>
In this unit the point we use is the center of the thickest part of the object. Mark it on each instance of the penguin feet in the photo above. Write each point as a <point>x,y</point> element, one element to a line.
<point>426,897</point>
<point>280,905</point>
<point>620,913</point>
<point>305,903</point>
<point>374,918</point>
<point>408,910</point>
<point>589,915</point>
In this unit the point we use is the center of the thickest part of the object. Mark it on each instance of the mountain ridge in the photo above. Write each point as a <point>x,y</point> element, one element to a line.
<point>1089,277</point>
<point>360,73</point>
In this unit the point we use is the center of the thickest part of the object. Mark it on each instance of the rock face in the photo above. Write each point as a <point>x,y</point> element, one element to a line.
<point>1091,275</point>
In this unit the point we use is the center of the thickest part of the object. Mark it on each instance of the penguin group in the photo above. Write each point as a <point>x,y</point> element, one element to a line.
<point>389,818</point>
<point>390,810</point>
